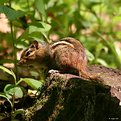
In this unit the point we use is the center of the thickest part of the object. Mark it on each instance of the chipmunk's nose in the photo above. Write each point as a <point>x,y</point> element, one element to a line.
<point>21,61</point>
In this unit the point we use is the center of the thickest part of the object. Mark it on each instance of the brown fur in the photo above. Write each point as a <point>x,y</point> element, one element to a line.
<point>67,55</point>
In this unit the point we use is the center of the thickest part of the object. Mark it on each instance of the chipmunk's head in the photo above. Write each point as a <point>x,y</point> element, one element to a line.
<point>30,53</point>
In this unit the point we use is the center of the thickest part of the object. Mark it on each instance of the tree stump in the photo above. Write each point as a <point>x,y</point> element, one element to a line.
<point>68,97</point>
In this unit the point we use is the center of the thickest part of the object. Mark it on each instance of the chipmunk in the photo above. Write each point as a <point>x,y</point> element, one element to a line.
<point>66,55</point>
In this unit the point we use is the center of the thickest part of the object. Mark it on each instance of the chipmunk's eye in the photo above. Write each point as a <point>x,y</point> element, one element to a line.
<point>32,46</point>
<point>28,53</point>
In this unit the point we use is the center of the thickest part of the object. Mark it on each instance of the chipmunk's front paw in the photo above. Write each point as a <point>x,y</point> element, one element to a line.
<point>52,71</point>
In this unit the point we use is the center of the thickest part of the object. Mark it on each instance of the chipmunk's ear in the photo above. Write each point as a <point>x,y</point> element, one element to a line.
<point>34,44</point>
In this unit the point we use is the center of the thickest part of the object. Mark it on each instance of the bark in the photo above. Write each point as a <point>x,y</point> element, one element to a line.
<point>67,97</point>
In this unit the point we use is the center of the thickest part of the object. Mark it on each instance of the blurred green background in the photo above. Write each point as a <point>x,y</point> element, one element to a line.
<point>96,23</point>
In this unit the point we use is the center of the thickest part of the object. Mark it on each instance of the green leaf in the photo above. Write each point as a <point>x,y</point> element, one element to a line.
<point>118,51</point>
<point>13,90</point>
<point>89,55</point>
<point>35,84</point>
<point>40,6</point>
<point>4,96</point>
<point>40,27</point>
<point>91,3</point>
<point>3,1</point>
<point>8,71</point>
<point>13,74</point>
<point>102,62</point>
<point>11,13</point>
